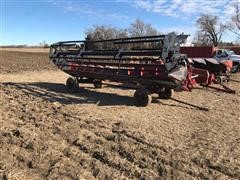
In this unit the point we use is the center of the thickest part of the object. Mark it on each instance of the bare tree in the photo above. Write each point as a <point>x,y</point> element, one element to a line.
<point>210,30</point>
<point>201,40</point>
<point>105,32</point>
<point>236,16</point>
<point>234,24</point>
<point>139,28</point>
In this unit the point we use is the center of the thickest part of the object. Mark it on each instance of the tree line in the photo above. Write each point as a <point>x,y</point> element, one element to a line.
<point>210,29</point>
<point>136,29</point>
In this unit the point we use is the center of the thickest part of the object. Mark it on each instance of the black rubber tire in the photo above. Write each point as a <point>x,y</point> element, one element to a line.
<point>219,79</point>
<point>166,94</point>
<point>236,70</point>
<point>142,97</point>
<point>97,84</point>
<point>72,84</point>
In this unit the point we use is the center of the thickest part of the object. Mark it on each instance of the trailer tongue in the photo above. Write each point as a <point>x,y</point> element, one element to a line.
<point>153,63</point>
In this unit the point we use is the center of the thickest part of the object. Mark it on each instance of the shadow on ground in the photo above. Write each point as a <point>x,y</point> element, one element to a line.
<point>58,92</point>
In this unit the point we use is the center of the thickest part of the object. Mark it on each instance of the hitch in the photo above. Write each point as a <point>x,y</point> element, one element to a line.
<point>225,88</point>
<point>205,79</point>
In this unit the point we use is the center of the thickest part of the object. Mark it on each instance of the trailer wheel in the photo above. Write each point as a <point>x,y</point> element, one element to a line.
<point>235,69</point>
<point>166,94</point>
<point>142,97</point>
<point>72,84</point>
<point>97,84</point>
<point>219,79</point>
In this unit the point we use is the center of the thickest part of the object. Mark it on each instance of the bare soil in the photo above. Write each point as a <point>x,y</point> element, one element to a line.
<point>27,49</point>
<point>48,133</point>
<point>15,62</point>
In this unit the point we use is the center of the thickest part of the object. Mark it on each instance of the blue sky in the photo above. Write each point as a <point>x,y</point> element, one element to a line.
<point>31,22</point>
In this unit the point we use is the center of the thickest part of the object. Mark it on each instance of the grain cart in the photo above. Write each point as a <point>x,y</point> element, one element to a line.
<point>152,63</point>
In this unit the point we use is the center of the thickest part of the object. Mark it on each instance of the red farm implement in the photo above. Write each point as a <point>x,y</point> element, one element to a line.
<point>152,63</point>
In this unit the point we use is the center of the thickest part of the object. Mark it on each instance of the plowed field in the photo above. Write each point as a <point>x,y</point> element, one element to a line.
<point>48,133</point>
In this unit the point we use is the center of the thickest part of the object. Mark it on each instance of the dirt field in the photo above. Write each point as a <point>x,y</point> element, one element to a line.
<point>16,62</point>
<point>32,50</point>
<point>48,133</point>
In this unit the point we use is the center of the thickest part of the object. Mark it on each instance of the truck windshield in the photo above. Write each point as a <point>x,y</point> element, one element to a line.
<point>230,52</point>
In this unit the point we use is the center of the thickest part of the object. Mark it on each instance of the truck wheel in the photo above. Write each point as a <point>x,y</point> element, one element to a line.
<point>72,84</point>
<point>235,69</point>
<point>166,94</point>
<point>97,84</point>
<point>142,97</point>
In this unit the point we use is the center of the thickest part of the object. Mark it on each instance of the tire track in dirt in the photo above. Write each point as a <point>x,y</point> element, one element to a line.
<point>48,138</point>
<point>100,155</point>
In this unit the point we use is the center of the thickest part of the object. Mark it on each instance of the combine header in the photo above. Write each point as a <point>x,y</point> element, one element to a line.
<point>152,63</point>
